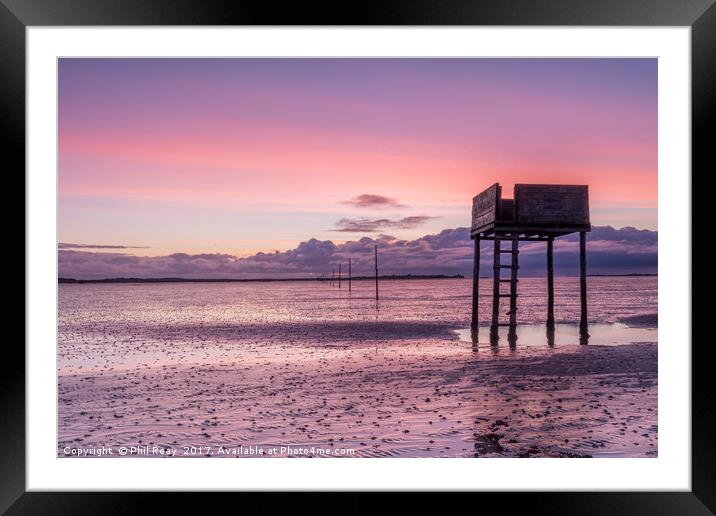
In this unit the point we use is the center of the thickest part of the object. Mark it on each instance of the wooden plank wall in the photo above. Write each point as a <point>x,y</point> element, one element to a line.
<point>552,204</point>
<point>486,206</point>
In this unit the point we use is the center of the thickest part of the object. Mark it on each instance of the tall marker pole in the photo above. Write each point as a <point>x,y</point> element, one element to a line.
<point>376,272</point>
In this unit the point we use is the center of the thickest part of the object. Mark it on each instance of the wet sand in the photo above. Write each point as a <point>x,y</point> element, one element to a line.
<point>400,389</point>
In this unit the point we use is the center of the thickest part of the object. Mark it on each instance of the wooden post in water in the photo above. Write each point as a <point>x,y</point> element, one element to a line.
<point>514,253</point>
<point>376,272</point>
<point>349,275</point>
<point>333,276</point>
<point>475,283</point>
<point>550,283</point>
<point>339,275</point>
<point>495,292</point>
<point>583,324</point>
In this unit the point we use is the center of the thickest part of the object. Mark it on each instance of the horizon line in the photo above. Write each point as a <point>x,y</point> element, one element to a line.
<point>169,279</point>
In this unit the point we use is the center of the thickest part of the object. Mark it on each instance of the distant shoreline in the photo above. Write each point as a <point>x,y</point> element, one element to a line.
<point>252,280</point>
<point>268,280</point>
<point>624,275</point>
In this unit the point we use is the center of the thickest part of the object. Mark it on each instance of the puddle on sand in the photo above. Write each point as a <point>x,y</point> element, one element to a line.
<point>533,335</point>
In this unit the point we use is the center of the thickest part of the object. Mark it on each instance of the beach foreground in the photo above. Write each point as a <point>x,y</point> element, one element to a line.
<point>351,388</point>
<point>381,402</point>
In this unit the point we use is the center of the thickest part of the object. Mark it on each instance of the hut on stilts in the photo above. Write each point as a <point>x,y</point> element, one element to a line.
<point>536,213</point>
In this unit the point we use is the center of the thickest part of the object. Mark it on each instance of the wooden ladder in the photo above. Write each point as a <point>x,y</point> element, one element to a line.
<point>498,281</point>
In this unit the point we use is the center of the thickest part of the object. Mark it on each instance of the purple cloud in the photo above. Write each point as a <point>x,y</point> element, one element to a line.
<point>609,251</point>
<point>373,201</point>
<point>365,225</point>
<point>65,245</point>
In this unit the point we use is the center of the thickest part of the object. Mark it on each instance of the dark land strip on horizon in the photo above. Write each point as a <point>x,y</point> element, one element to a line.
<point>245,280</point>
<point>254,280</point>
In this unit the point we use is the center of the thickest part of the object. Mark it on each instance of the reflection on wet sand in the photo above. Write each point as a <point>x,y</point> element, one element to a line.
<point>534,335</point>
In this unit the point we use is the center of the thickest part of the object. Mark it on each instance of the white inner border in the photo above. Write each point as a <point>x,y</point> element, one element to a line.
<point>671,470</point>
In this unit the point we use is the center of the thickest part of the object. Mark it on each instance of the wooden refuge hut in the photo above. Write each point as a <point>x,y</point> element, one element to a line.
<point>536,213</point>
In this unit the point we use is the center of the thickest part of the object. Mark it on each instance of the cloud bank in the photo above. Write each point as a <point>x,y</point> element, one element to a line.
<point>609,251</point>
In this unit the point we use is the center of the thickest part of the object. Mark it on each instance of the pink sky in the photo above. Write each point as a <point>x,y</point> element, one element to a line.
<point>244,155</point>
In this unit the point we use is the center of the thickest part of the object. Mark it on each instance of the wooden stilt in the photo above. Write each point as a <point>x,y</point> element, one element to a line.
<point>550,337</point>
<point>339,275</point>
<point>475,283</point>
<point>350,279</point>
<point>550,283</point>
<point>583,324</point>
<point>513,288</point>
<point>495,291</point>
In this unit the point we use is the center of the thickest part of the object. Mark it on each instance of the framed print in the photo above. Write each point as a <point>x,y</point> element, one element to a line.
<point>440,248</point>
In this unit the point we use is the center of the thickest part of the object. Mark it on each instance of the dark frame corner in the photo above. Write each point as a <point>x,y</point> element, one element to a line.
<point>700,15</point>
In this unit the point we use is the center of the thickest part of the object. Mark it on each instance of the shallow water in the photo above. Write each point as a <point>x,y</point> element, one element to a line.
<point>532,335</point>
<point>447,300</point>
<point>187,309</point>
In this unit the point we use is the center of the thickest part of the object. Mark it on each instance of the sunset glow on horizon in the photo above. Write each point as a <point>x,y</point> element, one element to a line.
<point>239,156</point>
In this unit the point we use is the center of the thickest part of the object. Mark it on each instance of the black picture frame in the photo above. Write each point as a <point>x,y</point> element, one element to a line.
<point>17,15</point>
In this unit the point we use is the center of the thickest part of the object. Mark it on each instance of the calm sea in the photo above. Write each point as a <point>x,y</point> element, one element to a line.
<point>445,301</point>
